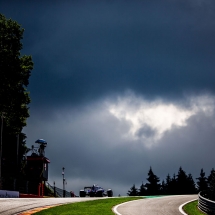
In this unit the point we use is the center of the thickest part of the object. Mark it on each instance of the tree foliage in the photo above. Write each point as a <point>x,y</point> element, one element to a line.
<point>177,185</point>
<point>171,185</point>
<point>153,187</point>
<point>185,183</point>
<point>15,71</point>
<point>202,183</point>
<point>133,191</point>
<point>211,184</point>
<point>191,185</point>
<point>142,190</point>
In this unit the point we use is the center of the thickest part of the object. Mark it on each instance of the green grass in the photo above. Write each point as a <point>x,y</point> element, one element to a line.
<point>191,208</point>
<point>94,207</point>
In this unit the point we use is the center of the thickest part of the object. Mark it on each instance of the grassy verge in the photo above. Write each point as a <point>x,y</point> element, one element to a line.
<point>191,208</point>
<point>94,207</point>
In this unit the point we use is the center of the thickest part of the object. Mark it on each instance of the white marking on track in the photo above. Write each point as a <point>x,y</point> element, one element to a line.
<point>181,206</point>
<point>115,207</point>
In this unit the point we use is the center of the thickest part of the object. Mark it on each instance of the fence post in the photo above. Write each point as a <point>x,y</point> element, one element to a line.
<point>39,186</point>
<point>42,186</point>
<point>54,190</point>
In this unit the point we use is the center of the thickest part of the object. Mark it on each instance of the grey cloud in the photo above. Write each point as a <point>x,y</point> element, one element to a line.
<point>85,53</point>
<point>190,147</point>
<point>89,143</point>
<point>146,131</point>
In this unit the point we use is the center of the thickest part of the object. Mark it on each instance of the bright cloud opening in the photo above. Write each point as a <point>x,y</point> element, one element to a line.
<point>149,120</point>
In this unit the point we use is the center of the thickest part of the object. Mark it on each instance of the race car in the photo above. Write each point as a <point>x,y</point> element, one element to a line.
<point>95,191</point>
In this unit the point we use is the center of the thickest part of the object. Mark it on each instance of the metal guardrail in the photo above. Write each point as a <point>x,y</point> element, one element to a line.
<point>206,205</point>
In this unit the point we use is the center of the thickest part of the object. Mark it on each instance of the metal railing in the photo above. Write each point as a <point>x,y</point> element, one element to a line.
<point>206,205</point>
<point>57,191</point>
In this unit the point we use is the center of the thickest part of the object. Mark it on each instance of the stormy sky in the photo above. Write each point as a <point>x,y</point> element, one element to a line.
<point>119,86</point>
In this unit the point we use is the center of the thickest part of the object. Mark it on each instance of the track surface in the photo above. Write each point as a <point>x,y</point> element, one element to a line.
<point>153,206</point>
<point>167,205</point>
<point>11,206</point>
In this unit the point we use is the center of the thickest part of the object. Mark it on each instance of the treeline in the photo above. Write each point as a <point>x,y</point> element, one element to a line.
<point>15,71</point>
<point>181,183</point>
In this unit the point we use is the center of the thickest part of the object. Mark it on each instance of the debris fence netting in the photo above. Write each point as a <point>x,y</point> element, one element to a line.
<point>58,192</point>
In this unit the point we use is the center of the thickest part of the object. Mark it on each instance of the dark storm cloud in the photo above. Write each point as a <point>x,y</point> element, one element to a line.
<point>86,50</point>
<point>190,147</point>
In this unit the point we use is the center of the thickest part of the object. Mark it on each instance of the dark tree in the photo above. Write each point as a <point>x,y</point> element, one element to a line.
<point>182,185</point>
<point>15,71</point>
<point>163,188</point>
<point>202,183</point>
<point>142,190</point>
<point>170,185</point>
<point>211,184</point>
<point>191,186</point>
<point>167,185</point>
<point>153,187</point>
<point>133,191</point>
<point>185,183</point>
<point>173,185</point>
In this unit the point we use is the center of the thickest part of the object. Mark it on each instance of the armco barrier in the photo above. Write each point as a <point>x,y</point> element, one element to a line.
<point>206,205</point>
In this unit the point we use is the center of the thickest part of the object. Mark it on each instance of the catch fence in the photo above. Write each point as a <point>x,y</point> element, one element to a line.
<point>57,192</point>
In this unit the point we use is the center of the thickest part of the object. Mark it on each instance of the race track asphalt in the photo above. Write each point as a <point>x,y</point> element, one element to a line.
<point>12,206</point>
<point>166,205</point>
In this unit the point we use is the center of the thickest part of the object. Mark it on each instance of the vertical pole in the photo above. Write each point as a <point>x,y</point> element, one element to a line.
<point>64,192</point>
<point>42,186</point>
<point>39,186</point>
<point>54,190</point>
<point>63,182</point>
